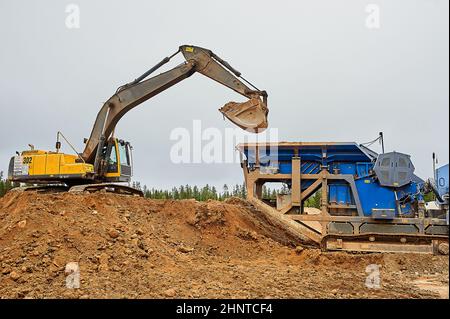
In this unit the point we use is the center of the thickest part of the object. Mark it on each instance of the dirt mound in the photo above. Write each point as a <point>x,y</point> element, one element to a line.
<point>131,247</point>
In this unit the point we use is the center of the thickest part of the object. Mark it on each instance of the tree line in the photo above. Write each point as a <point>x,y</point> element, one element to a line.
<point>211,192</point>
<point>199,193</point>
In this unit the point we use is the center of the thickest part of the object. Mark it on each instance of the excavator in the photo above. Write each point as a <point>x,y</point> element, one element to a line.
<point>106,160</point>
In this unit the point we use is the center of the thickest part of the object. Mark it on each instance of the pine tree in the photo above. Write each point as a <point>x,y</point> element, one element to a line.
<point>182,192</point>
<point>213,193</point>
<point>274,194</point>
<point>5,185</point>
<point>314,200</point>
<point>225,193</point>
<point>236,190</point>
<point>196,193</point>
<point>243,191</point>
<point>188,190</point>
<point>175,193</point>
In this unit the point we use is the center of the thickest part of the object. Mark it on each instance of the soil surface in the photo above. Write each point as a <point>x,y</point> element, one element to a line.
<point>132,247</point>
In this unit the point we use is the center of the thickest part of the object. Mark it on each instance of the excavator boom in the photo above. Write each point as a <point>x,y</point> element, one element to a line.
<point>250,115</point>
<point>107,160</point>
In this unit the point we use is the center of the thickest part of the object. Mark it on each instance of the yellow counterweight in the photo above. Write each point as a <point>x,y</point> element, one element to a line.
<point>41,165</point>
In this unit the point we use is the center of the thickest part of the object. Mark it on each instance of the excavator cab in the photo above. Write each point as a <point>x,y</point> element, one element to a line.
<point>117,161</point>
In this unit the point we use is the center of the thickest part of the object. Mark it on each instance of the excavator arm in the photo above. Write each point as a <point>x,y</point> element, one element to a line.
<point>250,115</point>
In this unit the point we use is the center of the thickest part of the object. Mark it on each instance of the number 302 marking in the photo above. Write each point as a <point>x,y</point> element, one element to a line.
<point>27,160</point>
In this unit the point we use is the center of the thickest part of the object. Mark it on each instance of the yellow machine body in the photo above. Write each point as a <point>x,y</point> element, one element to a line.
<point>44,167</point>
<point>38,165</point>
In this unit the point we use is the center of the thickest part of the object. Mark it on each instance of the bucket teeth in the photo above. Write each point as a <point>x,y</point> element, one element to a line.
<point>250,115</point>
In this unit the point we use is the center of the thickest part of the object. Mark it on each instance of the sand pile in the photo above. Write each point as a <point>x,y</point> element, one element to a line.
<point>131,247</point>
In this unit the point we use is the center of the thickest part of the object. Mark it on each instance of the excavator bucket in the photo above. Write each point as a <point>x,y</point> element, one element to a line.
<point>250,115</point>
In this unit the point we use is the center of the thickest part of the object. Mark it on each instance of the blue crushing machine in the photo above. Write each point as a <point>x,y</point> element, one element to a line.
<point>368,201</point>
<point>441,182</point>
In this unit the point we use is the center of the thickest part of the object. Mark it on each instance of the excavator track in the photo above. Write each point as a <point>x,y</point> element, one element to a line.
<point>42,188</point>
<point>108,188</point>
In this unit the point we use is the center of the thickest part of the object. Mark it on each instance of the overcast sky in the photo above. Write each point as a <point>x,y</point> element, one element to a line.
<point>329,76</point>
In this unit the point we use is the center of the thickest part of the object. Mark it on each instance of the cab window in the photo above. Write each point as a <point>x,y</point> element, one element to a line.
<point>112,160</point>
<point>123,154</point>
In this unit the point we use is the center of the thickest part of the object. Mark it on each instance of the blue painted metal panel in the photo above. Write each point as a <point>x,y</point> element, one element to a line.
<point>340,193</point>
<point>363,169</point>
<point>344,152</point>
<point>372,195</point>
<point>442,180</point>
<point>348,159</point>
